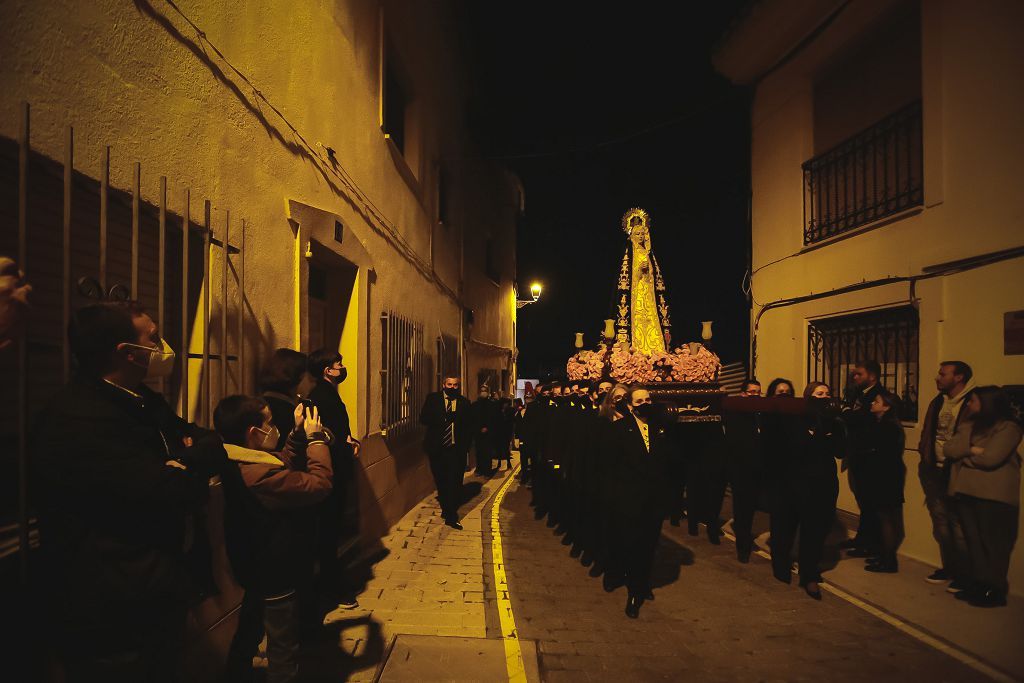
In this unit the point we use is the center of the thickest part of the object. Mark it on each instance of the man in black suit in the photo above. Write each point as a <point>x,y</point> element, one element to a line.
<point>864,386</point>
<point>645,458</point>
<point>486,422</point>
<point>447,416</point>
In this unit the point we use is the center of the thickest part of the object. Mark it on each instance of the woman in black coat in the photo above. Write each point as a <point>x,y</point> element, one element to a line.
<point>644,458</point>
<point>884,477</point>
<point>807,486</point>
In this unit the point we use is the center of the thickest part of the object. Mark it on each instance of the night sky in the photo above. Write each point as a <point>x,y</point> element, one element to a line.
<point>598,113</point>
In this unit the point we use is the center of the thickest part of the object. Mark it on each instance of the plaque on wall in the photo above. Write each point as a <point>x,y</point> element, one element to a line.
<point>1013,333</point>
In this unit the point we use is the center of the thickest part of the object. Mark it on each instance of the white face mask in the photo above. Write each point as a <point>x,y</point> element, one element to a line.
<point>270,438</point>
<point>161,362</point>
<point>161,359</point>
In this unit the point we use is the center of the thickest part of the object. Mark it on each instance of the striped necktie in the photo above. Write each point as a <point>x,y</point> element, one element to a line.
<point>449,427</point>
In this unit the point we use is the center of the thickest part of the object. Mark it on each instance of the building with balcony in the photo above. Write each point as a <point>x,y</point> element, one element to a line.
<point>258,175</point>
<point>886,217</point>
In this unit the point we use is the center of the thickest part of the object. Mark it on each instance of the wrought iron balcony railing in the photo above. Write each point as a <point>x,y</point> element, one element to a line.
<point>874,174</point>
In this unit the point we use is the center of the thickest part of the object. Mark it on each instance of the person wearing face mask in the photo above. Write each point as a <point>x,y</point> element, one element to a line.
<point>745,461</point>
<point>486,421</point>
<point>116,483</point>
<point>338,522</point>
<point>806,486</point>
<point>613,407</point>
<point>883,475</point>
<point>449,421</point>
<point>645,459</point>
<point>269,500</point>
<point>278,382</point>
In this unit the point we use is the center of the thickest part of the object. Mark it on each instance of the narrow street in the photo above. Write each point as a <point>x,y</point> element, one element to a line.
<point>430,611</point>
<point>712,619</point>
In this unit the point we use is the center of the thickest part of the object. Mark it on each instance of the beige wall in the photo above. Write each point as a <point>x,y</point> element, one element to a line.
<point>137,77</point>
<point>974,159</point>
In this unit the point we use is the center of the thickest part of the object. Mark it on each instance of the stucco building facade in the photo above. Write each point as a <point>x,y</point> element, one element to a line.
<point>886,216</point>
<point>326,140</point>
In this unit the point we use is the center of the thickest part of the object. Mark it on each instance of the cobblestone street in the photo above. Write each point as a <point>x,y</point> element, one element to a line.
<point>713,619</point>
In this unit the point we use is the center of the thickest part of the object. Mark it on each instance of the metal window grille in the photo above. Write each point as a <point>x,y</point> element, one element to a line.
<point>81,240</point>
<point>404,382</point>
<point>876,173</point>
<point>888,336</point>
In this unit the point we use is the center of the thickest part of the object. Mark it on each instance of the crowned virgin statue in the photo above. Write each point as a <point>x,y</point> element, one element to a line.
<point>637,342</point>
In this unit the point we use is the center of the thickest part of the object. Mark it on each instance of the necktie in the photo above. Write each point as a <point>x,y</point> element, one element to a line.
<point>449,426</point>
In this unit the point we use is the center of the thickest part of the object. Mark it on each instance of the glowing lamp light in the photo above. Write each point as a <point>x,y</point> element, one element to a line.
<point>535,290</point>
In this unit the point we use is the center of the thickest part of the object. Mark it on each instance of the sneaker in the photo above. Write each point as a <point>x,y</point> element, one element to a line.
<point>348,603</point>
<point>956,586</point>
<point>938,576</point>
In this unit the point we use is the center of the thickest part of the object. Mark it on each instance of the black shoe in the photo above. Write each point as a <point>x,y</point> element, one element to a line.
<point>860,552</point>
<point>989,598</point>
<point>453,523</point>
<point>938,576</point>
<point>611,583</point>
<point>586,558</point>
<point>743,554</point>
<point>633,606</point>
<point>693,527</point>
<point>649,596</point>
<point>957,586</point>
<point>576,550</point>
<point>816,593</point>
<point>714,535</point>
<point>882,567</point>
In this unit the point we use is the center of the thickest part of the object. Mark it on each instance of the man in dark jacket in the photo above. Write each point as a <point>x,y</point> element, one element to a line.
<point>864,387</point>
<point>746,469</point>
<point>486,425</point>
<point>449,422</point>
<point>114,491</point>
<point>941,420</point>
<point>339,514</point>
<point>269,500</point>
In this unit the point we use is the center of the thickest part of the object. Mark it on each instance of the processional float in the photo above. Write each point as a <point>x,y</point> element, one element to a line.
<point>636,344</point>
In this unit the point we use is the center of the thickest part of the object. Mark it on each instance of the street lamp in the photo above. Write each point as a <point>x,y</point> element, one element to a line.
<point>535,290</point>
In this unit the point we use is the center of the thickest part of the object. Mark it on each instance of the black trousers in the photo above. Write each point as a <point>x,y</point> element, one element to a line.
<point>747,486</point>
<point>990,528</point>
<point>869,526</point>
<point>123,648</point>
<point>447,466</point>
<point>806,511</point>
<point>706,482</point>
<point>485,453</point>
<point>633,547</point>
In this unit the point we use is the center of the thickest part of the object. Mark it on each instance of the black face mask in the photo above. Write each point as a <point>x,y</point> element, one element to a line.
<point>342,374</point>
<point>644,411</point>
<point>622,406</point>
<point>600,397</point>
<point>451,393</point>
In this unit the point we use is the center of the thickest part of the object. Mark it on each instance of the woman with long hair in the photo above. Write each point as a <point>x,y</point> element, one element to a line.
<point>985,479</point>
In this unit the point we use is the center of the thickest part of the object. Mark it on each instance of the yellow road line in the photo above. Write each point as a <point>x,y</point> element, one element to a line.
<point>907,628</point>
<point>513,653</point>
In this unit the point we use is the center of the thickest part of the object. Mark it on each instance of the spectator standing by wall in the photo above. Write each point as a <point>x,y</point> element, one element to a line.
<point>945,412</point>
<point>883,479</point>
<point>339,514</point>
<point>114,493</point>
<point>279,383</point>
<point>860,394</point>
<point>269,505</point>
<point>985,479</point>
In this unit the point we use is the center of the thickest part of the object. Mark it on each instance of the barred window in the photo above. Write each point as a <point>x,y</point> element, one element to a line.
<point>404,382</point>
<point>888,336</point>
